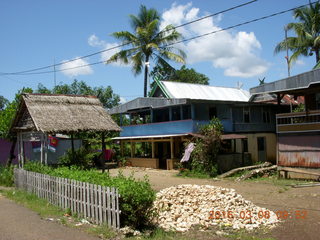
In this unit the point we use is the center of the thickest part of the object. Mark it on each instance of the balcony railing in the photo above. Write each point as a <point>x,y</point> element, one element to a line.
<point>298,122</point>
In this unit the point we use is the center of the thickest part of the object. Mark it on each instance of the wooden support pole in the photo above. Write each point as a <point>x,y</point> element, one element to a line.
<point>122,148</point>
<point>45,149</point>
<point>103,144</point>
<point>171,148</point>
<point>132,149</point>
<point>41,148</point>
<point>153,149</point>
<point>72,148</point>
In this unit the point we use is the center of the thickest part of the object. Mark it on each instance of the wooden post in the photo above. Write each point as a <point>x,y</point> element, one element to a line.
<point>41,149</point>
<point>72,148</point>
<point>171,148</point>
<point>153,149</point>
<point>193,112</point>
<point>122,148</point>
<point>46,149</point>
<point>132,149</point>
<point>103,144</point>
<point>19,150</point>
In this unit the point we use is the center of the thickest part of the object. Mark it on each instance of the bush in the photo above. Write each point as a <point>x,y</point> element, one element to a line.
<point>204,155</point>
<point>6,176</point>
<point>136,196</point>
<point>82,158</point>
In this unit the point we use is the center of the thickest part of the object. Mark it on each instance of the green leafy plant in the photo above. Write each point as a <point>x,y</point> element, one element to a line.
<point>136,196</point>
<point>82,158</point>
<point>6,176</point>
<point>204,155</point>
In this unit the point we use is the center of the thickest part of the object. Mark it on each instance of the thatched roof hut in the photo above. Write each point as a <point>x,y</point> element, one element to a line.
<point>53,113</point>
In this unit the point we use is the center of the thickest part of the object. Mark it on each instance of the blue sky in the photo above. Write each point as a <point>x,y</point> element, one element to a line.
<point>35,33</point>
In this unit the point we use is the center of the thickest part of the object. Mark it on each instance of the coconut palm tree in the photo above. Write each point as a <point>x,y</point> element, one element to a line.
<point>147,43</point>
<point>307,31</point>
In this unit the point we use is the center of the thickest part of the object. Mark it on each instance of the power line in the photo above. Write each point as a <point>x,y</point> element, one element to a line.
<point>126,43</point>
<point>185,40</point>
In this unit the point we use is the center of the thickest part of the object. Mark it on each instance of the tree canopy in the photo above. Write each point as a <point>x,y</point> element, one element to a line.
<point>3,102</point>
<point>105,94</point>
<point>184,74</point>
<point>307,31</point>
<point>147,43</point>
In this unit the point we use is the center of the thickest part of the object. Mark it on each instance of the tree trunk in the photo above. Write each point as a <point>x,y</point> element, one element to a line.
<point>146,77</point>
<point>317,55</point>
<point>12,156</point>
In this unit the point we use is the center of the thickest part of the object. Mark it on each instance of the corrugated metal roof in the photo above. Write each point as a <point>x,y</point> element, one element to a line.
<point>205,92</point>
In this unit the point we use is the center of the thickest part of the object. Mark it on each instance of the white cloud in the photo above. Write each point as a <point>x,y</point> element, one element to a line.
<point>236,53</point>
<point>94,41</point>
<point>74,68</point>
<point>123,100</point>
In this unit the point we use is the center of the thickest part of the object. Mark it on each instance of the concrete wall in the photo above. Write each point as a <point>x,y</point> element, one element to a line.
<point>271,146</point>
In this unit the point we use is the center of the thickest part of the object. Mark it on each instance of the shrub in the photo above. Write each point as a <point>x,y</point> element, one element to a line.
<point>6,176</point>
<point>204,155</point>
<point>136,196</point>
<point>82,158</point>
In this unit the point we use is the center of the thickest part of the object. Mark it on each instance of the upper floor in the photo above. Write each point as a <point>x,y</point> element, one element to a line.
<point>160,116</point>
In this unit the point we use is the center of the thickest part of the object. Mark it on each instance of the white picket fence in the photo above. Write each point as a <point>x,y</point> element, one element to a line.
<point>98,203</point>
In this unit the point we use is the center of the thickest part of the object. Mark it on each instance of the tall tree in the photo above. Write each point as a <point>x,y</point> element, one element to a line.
<point>307,31</point>
<point>3,102</point>
<point>184,74</point>
<point>147,43</point>
<point>6,117</point>
<point>105,94</point>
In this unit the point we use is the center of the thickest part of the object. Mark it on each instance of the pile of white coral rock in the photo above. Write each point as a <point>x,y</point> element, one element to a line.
<point>180,207</point>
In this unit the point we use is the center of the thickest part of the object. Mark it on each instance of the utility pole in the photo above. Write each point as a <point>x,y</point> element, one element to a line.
<point>54,73</point>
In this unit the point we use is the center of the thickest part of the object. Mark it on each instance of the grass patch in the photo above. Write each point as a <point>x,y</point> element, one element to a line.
<point>192,174</point>
<point>31,201</point>
<point>47,210</point>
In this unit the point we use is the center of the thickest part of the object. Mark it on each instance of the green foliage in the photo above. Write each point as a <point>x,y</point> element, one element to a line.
<point>6,176</point>
<point>8,113</point>
<point>299,108</point>
<point>3,102</point>
<point>184,74</point>
<point>204,155</point>
<point>306,41</point>
<point>136,198</point>
<point>82,158</point>
<point>105,94</point>
<point>147,42</point>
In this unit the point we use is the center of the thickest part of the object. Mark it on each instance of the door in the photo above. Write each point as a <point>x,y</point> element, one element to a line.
<point>262,153</point>
<point>163,154</point>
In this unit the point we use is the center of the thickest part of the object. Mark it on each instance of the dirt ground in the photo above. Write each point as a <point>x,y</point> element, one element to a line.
<point>20,223</point>
<point>262,193</point>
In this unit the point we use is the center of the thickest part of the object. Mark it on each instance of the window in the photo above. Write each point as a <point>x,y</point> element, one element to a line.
<point>266,116</point>
<point>246,115</point>
<point>212,112</point>
<point>186,110</point>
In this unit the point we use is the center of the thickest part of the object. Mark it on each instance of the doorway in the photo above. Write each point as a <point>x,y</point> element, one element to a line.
<point>262,153</point>
<point>163,153</point>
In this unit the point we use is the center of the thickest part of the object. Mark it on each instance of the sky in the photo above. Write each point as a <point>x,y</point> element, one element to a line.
<point>38,33</point>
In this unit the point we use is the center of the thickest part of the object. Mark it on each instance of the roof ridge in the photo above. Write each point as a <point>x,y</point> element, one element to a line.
<point>198,84</point>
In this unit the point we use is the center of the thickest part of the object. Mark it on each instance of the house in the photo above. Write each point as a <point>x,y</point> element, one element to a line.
<point>40,117</point>
<point>174,111</point>
<point>298,133</point>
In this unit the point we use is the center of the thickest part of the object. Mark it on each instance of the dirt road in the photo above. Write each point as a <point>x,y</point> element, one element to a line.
<point>265,194</point>
<point>19,223</point>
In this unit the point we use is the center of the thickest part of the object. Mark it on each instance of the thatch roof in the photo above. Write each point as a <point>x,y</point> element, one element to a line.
<point>53,113</point>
